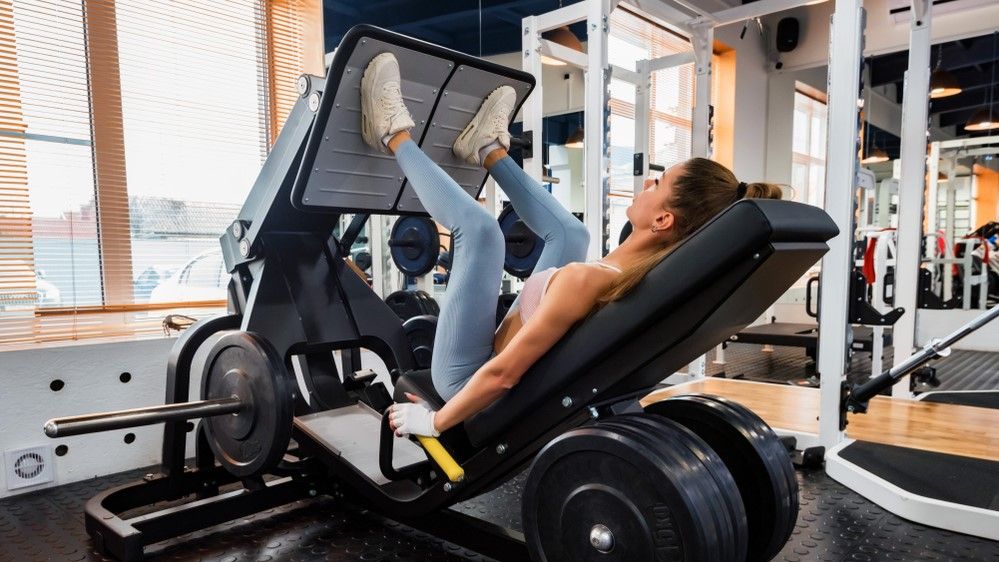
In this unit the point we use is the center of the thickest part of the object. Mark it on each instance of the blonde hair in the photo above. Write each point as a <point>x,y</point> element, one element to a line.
<point>702,190</point>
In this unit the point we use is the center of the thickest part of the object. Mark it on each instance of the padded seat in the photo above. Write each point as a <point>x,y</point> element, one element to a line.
<point>420,384</point>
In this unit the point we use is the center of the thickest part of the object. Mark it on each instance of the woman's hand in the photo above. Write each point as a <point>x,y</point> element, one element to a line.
<point>412,419</point>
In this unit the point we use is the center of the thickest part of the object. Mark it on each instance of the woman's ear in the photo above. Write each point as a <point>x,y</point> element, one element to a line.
<point>664,220</point>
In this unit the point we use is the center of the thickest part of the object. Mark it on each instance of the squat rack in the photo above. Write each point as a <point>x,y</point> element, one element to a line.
<point>681,16</point>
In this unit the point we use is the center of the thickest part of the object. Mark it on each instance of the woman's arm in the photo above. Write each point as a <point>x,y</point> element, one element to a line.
<point>572,294</point>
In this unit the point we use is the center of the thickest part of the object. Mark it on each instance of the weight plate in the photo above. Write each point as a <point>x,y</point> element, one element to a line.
<point>414,245</point>
<point>600,493</point>
<point>726,507</point>
<point>523,247</point>
<point>254,439</point>
<point>420,331</point>
<point>405,304</point>
<point>756,458</point>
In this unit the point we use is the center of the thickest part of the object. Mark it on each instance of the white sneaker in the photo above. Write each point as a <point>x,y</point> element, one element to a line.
<point>489,126</point>
<point>383,113</point>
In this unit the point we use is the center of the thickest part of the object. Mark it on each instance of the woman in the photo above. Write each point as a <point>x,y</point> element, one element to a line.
<point>473,363</point>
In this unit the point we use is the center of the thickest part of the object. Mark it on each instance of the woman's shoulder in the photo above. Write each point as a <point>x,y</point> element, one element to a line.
<point>581,276</point>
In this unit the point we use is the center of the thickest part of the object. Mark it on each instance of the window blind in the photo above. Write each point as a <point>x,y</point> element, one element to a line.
<point>131,133</point>
<point>634,38</point>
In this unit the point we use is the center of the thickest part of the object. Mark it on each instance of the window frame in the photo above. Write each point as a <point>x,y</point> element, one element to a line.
<point>107,147</point>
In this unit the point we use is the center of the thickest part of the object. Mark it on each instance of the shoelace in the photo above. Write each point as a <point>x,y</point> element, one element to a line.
<point>391,99</point>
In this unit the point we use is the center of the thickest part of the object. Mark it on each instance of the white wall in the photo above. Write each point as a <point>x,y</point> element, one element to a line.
<point>560,95</point>
<point>780,123</point>
<point>751,109</point>
<point>883,35</point>
<point>91,376</point>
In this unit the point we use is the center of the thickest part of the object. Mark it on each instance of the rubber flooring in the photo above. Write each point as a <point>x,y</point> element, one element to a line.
<point>834,524</point>
<point>962,370</point>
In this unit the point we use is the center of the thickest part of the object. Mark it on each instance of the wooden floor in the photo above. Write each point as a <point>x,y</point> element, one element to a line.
<point>944,428</point>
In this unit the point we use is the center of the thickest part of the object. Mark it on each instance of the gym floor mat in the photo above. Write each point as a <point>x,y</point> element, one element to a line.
<point>833,524</point>
<point>949,478</point>
<point>962,370</point>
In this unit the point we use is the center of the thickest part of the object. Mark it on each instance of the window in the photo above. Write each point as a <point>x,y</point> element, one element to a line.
<point>808,149</point>
<point>671,99</point>
<point>132,132</point>
<point>633,38</point>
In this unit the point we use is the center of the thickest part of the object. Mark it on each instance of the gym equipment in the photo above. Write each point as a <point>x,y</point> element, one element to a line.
<point>409,303</point>
<point>806,335</point>
<point>755,457</point>
<point>503,305</point>
<point>956,491</point>
<point>290,287</point>
<point>247,406</point>
<point>414,245</point>
<point>420,331</point>
<point>648,499</point>
<point>523,247</point>
<point>625,232</point>
<point>857,398</point>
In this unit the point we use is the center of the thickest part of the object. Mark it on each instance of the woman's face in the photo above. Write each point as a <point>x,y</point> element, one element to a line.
<point>649,207</point>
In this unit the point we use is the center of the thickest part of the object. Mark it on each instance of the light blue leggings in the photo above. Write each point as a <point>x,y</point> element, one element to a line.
<point>467,322</point>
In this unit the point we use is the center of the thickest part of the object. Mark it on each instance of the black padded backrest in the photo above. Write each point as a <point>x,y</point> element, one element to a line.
<point>714,284</point>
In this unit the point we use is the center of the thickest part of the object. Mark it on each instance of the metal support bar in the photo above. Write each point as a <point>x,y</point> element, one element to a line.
<point>669,61</point>
<point>562,53</point>
<point>702,40</point>
<point>629,76</point>
<point>565,15</point>
<point>968,142</point>
<point>666,12</point>
<point>643,87</point>
<point>845,52</point>
<point>135,417</point>
<point>964,153</point>
<point>757,9</point>
<point>597,162</point>
<point>860,395</point>
<point>912,166</point>
<point>533,109</point>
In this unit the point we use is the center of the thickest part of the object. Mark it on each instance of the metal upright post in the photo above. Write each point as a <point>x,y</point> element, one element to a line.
<point>702,39</point>
<point>533,109</point>
<point>845,51</point>
<point>912,156</point>
<point>642,88</point>
<point>597,162</point>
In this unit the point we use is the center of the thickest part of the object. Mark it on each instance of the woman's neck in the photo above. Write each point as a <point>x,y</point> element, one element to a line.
<point>634,248</point>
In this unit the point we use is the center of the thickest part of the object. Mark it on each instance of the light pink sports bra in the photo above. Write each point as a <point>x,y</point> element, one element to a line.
<point>537,285</point>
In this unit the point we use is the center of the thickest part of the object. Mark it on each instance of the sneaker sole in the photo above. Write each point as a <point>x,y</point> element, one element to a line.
<point>461,144</point>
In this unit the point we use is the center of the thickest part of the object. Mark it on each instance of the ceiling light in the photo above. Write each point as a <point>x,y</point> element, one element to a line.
<point>981,120</point>
<point>943,84</point>
<point>575,140</point>
<point>876,156</point>
<point>562,36</point>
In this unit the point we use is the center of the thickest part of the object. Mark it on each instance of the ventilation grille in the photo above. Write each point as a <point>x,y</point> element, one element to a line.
<point>28,467</point>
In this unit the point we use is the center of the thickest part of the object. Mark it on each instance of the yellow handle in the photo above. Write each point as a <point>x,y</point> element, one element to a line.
<point>443,458</point>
